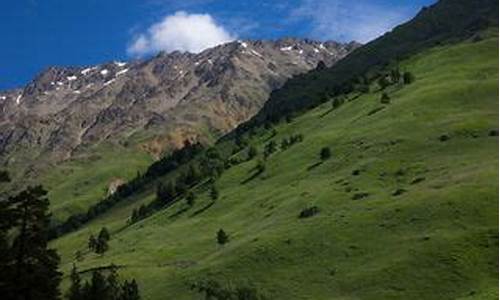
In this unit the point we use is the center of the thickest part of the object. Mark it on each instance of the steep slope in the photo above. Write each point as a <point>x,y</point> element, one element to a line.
<point>407,202</point>
<point>86,116</point>
<point>445,21</point>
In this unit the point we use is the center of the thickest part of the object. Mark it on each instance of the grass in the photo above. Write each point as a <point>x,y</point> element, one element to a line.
<point>75,185</point>
<point>436,240</point>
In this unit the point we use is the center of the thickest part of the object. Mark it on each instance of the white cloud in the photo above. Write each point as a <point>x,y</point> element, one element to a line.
<point>181,31</point>
<point>346,20</point>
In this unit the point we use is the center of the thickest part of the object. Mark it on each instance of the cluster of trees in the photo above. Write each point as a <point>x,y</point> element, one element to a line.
<point>394,76</point>
<point>290,141</point>
<point>101,287</point>
<point>99,245</point>
<point>28,269</point>
<point>270,148</point>
<point>166,164</point>
<point>212,289</point>
<point>209,164</point>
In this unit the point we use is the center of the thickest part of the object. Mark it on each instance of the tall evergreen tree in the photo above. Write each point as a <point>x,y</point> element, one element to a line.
<point>75,290</point>
<point>130,291</point>
<point>104,234</point>
<point>34,265</point>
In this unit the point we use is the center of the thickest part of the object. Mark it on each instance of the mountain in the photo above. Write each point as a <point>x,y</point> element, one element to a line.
<point>151,106</point>
<point>385,192</point>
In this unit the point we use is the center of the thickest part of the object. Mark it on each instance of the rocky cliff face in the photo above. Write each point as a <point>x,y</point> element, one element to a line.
<point>153,104</point>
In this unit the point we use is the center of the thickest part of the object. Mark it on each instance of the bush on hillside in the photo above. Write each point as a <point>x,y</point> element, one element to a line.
<point>309,212</point>
<point>408,78</point>
<point>385,99</point>
<point>325,153</point>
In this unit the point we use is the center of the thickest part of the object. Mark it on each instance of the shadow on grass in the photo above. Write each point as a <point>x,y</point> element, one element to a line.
<point>252,177</point>
<point>314,166</point>
<point>199,211</point>
<point>178,213</point>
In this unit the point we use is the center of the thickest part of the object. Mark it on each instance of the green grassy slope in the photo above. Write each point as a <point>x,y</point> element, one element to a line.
<point>77,184</point>
<point>437,240</point>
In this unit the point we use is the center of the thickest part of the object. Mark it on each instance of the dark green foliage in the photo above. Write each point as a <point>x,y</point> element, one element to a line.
<point>100,244</point>
<point>309,212</point>
<point>290,141</point>
<point>337,102</point>
<point>408,78</point>
<point>359,196</point>
<point>260,167</point>
<point>75,289</point>
<point>269,149</point>
<point>222,237</point>
<point>444,138</point>
<point>363,88</point>
<point>213,290</point>
<point>399,192</point>
<point>104,234</point>
<point>28,269</point>
<point>190,198</point>
<point>395,76</point>
<point>92,243</point>
<point>325,153</point>
<point>4,176</point>
<point>214,192</point>
<point>385,99</point>
<point>252,152</point>
<point>101,287</point>
<point>383,82</point>
<point>130,291</point>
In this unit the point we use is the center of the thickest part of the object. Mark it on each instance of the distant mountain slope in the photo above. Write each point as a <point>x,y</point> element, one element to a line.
<point>108,118</point>
<point>160,102</point>
<point>445,21</point>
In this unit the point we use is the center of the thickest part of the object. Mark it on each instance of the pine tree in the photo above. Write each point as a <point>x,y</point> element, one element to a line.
<point>35,267</point>
<point>252,152</point>
<point>408,78</point>
<point>222,237</point>
<point>104,234</point>
<point>214,192</point>
<point>98,289</point>
<point>101,246</point>
<point>130,291</point>
<point>92,242</point>
<point>190,198</point>
<point>75,290</point>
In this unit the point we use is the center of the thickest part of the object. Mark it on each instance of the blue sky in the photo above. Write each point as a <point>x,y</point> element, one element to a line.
<point>41,33</point>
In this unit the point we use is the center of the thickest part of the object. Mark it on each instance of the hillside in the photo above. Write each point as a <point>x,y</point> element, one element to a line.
<point>66,127</point>
<point>443,22</point>
<point>405,208</point>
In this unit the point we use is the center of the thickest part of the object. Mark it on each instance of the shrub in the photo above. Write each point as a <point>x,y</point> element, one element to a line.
<point>214,192</point>
<point>325,153</point>
<point>222,237</point>
<point>385,99</point>
<point>252,152</point>
<point>408,78</point>
<point>337,102</point>
<point>190,198</point>
<point>309,212</point>
<point>383,82</point>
